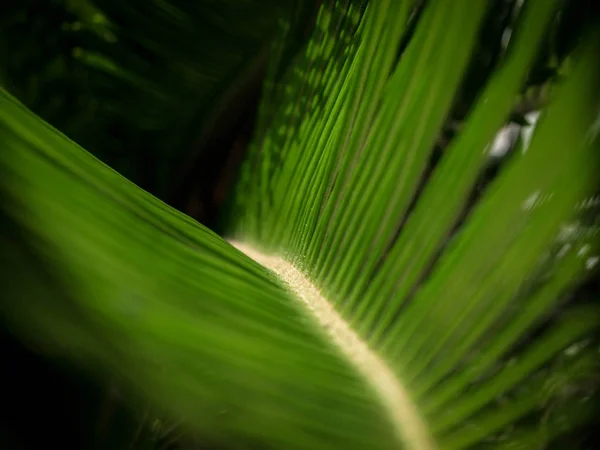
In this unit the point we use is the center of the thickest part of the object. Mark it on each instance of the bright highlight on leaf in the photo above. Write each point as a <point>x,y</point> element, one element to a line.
<point>387,298</point>
<point>405,418</point>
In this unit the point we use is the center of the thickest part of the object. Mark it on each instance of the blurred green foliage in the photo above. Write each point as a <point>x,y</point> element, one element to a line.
<point>140,83</point>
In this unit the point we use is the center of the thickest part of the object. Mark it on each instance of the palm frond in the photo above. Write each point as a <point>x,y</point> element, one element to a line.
<point>465,293</point>
<point>442,292</point>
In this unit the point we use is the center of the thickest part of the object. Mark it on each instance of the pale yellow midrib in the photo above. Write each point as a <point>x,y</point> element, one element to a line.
<point>402,412</point>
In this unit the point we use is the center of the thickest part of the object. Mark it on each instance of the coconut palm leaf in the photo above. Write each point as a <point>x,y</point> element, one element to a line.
<point>373,294</point>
